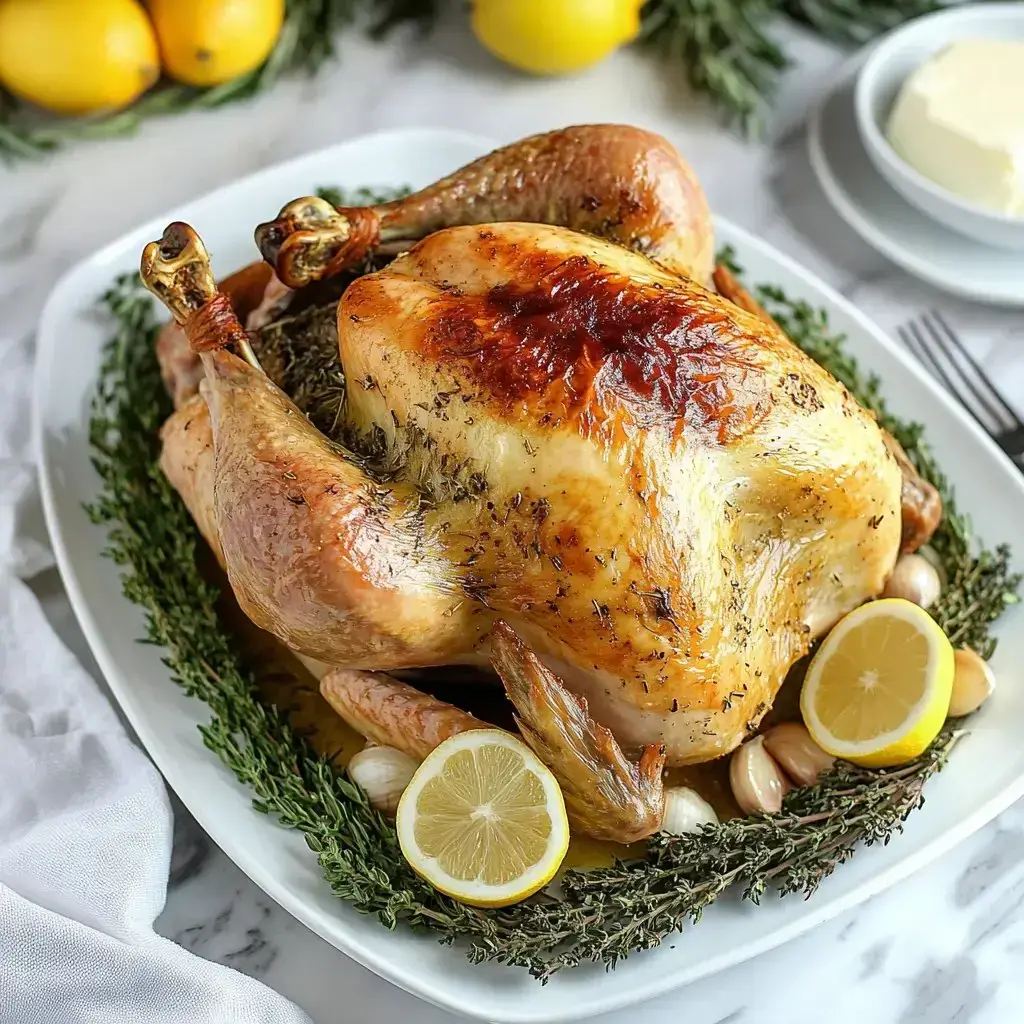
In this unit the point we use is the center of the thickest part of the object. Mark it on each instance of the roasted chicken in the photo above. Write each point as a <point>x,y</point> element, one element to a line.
<point>663,499</point>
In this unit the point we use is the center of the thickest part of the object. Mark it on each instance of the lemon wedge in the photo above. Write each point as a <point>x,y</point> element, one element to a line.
<point>483,819</point>
<point>877,691</point>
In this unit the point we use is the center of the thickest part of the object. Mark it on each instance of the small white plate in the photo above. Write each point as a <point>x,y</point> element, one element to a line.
<point>888,67</point>
<point>887,222</point>
<point>985,776</point>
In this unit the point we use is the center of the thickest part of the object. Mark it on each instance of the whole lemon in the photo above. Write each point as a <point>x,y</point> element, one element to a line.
<point>554,37</point>
<point>76,57</point>
<point>206,42</point>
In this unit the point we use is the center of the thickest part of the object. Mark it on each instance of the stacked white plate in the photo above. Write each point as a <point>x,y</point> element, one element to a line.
<point>861,195</point>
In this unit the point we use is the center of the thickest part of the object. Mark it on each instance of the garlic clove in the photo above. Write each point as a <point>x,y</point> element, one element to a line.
<point>382,773</point>
<point>757,781</point>
<point>685,811</point>
<point>915,579</point>
<point>931,556</point>
<point>792,746</point>
<point>973,682</point>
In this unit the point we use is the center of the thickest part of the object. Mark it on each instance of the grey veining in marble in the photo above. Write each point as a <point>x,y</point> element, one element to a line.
<point>191,847</point>
<point>948,944</point>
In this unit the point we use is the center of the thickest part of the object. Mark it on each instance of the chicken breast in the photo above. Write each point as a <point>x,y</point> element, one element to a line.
<point>659,491</point>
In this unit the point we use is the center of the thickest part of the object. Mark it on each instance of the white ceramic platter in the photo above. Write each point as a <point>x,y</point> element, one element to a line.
<point>986,775</point>
<point>887,222</point>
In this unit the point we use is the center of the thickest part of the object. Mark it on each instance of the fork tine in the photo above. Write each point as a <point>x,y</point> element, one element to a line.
<point>915,342</point>
<point>968,388</point>
<point>994,396</point>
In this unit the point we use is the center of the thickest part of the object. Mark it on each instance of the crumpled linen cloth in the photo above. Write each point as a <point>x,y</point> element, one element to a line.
<point>85,823</point>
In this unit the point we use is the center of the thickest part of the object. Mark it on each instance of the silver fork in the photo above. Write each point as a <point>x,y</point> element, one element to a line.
<point>932,340</point>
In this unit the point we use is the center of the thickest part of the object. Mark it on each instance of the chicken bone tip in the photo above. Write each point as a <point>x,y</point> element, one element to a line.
<point>310,240</point>
<point>176,269</point>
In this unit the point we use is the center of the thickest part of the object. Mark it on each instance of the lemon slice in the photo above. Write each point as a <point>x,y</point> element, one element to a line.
<point>877,690</point>
<point>483,819</point>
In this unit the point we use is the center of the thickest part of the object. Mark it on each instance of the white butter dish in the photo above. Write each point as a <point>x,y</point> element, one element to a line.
<point>881,78</point>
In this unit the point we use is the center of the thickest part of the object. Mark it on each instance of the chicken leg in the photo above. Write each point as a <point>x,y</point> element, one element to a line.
<point>317,552</point>
<point>620,182</point>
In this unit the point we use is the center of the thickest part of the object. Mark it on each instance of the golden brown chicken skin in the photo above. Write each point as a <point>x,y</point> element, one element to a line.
<point>660,493</point>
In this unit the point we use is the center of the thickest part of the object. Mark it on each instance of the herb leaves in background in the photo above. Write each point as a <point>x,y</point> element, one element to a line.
<point>601,915</point>
<point>306,42</point>
<point>727,51</point>
<point>724,47</point>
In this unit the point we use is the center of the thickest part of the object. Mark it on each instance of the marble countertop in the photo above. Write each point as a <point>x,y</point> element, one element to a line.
<point>946,945</point>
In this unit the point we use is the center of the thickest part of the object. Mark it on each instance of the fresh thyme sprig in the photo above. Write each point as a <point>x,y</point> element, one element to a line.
<point>601,915</point>
<point>608,913</point>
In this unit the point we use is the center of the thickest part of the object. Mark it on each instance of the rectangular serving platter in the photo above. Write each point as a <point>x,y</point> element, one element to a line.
<point>986,773</point>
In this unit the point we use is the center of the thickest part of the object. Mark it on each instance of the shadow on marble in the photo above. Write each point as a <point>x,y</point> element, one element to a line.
<point>191,846</point>
<point>804,207</point>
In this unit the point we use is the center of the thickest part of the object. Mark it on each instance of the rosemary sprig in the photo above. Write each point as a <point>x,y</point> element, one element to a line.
<point>306,42</point>
<point>601,915</point>
<point>727,51</point>
<point>724,47</point>
<point>856,21</point>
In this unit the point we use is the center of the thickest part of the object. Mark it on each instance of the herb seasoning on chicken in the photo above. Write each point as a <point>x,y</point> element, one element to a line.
<point>658,492</point>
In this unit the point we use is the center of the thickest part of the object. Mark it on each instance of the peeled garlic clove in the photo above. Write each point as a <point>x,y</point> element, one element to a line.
<point>803,760</point>
<point>931,556</point>
<point>382,773</point>
<point>757,781</point>
<point>685,811</point>
<point>915,579</point>
<point>973,682</point>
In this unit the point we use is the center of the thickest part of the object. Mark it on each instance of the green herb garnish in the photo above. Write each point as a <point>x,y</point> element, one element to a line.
<point>601,915</point>
<point>725,49</point>
<point>728,51</point>
<point>306,42</point>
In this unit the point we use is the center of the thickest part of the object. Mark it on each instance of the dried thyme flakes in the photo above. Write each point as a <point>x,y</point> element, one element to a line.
<point>601,915</point>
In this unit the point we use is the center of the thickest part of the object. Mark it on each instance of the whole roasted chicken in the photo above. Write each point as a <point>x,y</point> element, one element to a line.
<point>563,451</point>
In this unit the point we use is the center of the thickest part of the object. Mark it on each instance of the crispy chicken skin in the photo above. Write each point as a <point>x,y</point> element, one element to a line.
<point>622,183</point>
<point>666,498</point>
<point>657,490</point>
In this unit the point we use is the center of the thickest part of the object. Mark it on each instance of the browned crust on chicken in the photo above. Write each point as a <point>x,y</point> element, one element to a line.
<point>622,183</point>
<point>577,343</point>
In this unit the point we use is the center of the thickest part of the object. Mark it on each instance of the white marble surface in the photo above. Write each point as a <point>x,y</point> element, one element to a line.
<point>946,945</point>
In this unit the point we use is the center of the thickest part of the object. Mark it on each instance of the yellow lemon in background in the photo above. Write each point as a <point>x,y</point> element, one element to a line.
<point>207,42</point>
<point>77,56</point>
<point>554,37</point>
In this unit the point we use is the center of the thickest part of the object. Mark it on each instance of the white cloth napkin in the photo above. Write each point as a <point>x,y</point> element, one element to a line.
<point>85,824</point>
